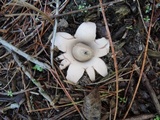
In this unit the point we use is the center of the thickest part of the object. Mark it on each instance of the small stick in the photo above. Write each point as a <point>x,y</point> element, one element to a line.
<point>37,83</point>
<point>114,56</point>
<point>88,8</point>
<point>152,93</point>
<point>143,64</point>
<point>54,34</point>
<point>145,27</point>
<point>23,54</point>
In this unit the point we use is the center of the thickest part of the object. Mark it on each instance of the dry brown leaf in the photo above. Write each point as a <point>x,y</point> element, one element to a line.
<point>92,106</point>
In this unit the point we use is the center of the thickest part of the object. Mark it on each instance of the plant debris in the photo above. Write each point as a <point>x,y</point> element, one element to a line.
<point>32,86</point>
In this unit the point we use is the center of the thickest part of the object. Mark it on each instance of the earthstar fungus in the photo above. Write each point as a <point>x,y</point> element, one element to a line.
<point>82,52</point>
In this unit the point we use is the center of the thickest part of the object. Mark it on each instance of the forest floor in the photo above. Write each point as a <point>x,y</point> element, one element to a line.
<point>31,88</point>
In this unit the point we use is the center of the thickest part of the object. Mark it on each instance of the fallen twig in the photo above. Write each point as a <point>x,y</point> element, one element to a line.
<point>143,64</point>
<point>59,82</point>
<point>152,93</point>
<point>23,3</point>
<point>37,83</point>
<point>54,34</point>
<point>150,89</point>
<point>145,27</point>
<point>114,56</point>
<point>23,54</point>
<point>88,8</point>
